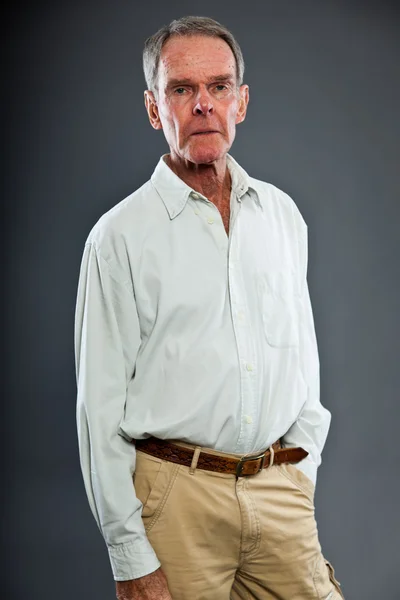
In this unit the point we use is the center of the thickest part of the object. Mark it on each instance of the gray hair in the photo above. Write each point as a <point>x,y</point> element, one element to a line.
<point>186,26</point>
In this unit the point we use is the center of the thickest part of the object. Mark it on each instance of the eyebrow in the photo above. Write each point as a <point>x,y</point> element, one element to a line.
<point>223,77</point>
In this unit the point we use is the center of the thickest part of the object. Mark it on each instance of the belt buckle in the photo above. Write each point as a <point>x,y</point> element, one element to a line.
<point>239,466</point>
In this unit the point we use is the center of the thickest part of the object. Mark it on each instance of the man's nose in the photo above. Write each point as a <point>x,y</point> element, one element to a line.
<point>203,106</point>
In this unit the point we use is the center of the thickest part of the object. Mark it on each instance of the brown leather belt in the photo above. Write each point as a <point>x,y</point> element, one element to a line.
<point>240,466</point>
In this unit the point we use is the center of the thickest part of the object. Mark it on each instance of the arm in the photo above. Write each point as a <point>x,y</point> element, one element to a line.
<point>310,430</point>
<point>107,338</point>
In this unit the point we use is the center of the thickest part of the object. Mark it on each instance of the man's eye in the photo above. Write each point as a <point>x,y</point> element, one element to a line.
<point>178,90</point>
<point>221,85</point>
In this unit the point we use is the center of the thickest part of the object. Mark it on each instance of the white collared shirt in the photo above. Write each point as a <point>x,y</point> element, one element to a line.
<point>186,333</point>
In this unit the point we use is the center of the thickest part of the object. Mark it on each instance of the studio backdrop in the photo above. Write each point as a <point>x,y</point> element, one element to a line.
<point>323,125</point>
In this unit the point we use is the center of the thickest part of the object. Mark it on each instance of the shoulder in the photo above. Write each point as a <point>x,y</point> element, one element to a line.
<point>124,222</point>
<point>279,202</point>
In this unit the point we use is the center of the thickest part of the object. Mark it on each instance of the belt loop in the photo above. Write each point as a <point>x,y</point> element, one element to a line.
<point>272,454</point>
<point>195,458</point>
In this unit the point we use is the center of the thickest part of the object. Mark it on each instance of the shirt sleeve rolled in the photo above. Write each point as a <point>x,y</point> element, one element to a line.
<point>107,338</point>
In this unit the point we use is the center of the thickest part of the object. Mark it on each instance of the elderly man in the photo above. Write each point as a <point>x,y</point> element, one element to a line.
<point>199,418</point>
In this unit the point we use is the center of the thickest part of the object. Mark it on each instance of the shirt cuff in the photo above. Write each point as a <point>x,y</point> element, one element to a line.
<point>308,467</point>
<point>133,560</point>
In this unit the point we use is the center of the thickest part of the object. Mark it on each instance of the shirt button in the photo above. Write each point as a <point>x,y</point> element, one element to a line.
<point>210,220</point>
<point>195,196</point>
<point>249,367</point>
<point>248,419</point>
<point>196,212</point>
<point>241,315</point>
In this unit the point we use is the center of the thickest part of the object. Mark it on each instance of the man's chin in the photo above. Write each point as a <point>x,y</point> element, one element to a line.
<point>205,155</point>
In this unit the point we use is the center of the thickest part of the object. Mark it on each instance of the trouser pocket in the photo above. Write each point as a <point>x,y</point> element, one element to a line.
<point>333,579</point>
<point>153,480</point>
<point>325,581</point>
<point>299,479</point>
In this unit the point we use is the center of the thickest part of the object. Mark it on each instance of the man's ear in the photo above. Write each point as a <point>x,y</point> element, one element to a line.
<point>152,109</point>
<point>243,103</point>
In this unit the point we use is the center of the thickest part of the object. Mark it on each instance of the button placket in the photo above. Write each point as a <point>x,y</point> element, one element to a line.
<point>218,226</point>
<point>202,208</point>
<point>209,217</point>
<point>244,342</point>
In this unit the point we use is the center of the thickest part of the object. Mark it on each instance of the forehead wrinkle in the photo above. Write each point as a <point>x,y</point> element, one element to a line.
<point>208,79</point>
<point>171,77</point>
<point>203,63</point>
<point>178,53</point>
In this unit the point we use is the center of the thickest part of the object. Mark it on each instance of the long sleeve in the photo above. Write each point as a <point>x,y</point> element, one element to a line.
<point>107,338</point>
<point>311,428</point>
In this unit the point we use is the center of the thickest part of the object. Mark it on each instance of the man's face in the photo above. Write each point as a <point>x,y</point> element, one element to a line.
<point>198,103</point>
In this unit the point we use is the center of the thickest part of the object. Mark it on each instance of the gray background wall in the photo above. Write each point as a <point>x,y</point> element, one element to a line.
<point>323,124</point>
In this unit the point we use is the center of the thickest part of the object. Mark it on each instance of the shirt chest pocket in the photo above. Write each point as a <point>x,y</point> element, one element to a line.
<point>279,306</point>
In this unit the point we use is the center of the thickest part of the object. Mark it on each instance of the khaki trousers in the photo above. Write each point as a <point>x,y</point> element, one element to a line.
<point>219,537</point>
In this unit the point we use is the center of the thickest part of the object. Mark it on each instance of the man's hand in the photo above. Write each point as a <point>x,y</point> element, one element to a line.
<point>150,587</point>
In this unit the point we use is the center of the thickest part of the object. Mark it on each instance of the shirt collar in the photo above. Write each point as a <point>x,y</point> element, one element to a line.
<point>175,192</point>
